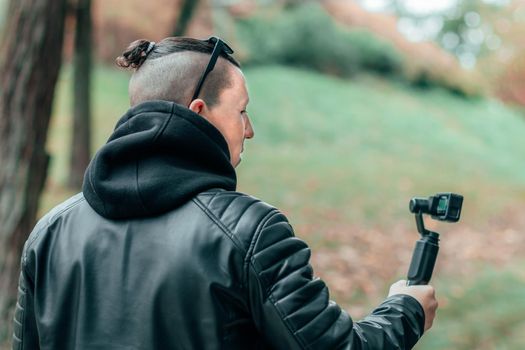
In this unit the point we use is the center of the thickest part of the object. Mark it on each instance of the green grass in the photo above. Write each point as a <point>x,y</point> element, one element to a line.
<point>366,146</point>
<point>363,146</point>
<point>334,154</point>
<point>482,313</point>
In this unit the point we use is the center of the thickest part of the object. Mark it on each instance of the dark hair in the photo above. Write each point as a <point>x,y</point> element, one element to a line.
<point>137,51</point>
<point>141,50</point>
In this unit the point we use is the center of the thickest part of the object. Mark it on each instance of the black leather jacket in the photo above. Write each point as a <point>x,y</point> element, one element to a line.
<point>216,270</point>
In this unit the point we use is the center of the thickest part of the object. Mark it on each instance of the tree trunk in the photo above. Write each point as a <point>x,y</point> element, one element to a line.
<point>186,13</point>
<point>81,135</point>
<point>29,65</point>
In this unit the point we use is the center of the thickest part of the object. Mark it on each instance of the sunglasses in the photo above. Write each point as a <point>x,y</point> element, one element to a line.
<point>219,48</point>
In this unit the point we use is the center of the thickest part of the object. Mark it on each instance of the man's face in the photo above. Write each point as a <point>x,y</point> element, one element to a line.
<point>230,117</point>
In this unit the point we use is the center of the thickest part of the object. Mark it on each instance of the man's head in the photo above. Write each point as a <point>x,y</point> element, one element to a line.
<point>171,70</point>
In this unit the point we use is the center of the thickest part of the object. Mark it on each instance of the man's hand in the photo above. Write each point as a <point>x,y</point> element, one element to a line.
<point>424,294</point>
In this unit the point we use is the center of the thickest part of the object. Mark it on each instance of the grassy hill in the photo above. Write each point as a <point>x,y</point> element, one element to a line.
<point>377,143</point>
<point>365,146</point>
<point>342,158</point>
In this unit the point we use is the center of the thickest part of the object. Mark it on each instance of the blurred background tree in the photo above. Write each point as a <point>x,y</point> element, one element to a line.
<point>29,66</point>
<point>185,14</point>
<point>81,134</point>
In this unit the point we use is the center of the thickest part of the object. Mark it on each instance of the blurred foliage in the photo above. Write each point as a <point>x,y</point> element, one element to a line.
<point>465,29</point>
<point>510,86</point>
<point>493,33</point>
<point>505,66</point>
<point>486,36</point>
<point>307,36</point>
<point>424,74</point>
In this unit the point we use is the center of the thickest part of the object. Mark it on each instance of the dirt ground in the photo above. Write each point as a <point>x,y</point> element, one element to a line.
<point>363,262</point>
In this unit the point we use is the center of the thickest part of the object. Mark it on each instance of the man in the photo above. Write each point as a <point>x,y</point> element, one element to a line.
<point>159,252</point>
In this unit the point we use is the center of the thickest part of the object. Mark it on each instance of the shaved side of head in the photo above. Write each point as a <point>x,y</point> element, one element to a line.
<point>174,77</point>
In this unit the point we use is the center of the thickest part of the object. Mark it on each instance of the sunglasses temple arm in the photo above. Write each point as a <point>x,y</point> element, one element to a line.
<point>209,68</point>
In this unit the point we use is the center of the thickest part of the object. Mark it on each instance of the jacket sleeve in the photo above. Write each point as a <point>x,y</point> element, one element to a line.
<point>25,334</point>
<point>292,310</point>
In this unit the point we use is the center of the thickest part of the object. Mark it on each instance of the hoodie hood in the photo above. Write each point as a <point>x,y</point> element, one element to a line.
<point>159,156</point>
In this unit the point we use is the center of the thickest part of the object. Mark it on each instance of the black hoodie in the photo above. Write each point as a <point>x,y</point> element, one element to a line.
<point>159,156</point>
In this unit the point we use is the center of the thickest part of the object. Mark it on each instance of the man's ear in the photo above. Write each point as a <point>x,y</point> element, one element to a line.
<point>198,106</point>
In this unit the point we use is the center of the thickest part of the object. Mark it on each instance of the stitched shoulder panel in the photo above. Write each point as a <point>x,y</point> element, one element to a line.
<point>241,214</point>
<point>49,218</point>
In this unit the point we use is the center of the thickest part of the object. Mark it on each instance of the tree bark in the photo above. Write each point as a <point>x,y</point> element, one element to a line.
<point>186,13</point>
<point>81,135</point>
<point>29,65</point>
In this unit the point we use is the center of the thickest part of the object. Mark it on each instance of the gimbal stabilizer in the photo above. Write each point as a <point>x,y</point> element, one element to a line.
<point>443,207</point>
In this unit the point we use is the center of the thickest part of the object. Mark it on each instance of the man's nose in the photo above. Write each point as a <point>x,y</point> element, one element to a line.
<point>248,129</point>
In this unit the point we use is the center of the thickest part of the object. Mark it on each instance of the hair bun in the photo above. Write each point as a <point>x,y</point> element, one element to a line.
<point>135,54</point>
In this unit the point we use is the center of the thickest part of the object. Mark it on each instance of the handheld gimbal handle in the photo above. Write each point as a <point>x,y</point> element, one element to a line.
<point>423,259</point>
<point>442,207</point>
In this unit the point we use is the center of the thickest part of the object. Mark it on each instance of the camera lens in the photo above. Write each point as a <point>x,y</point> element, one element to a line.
<point>418,205</point>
